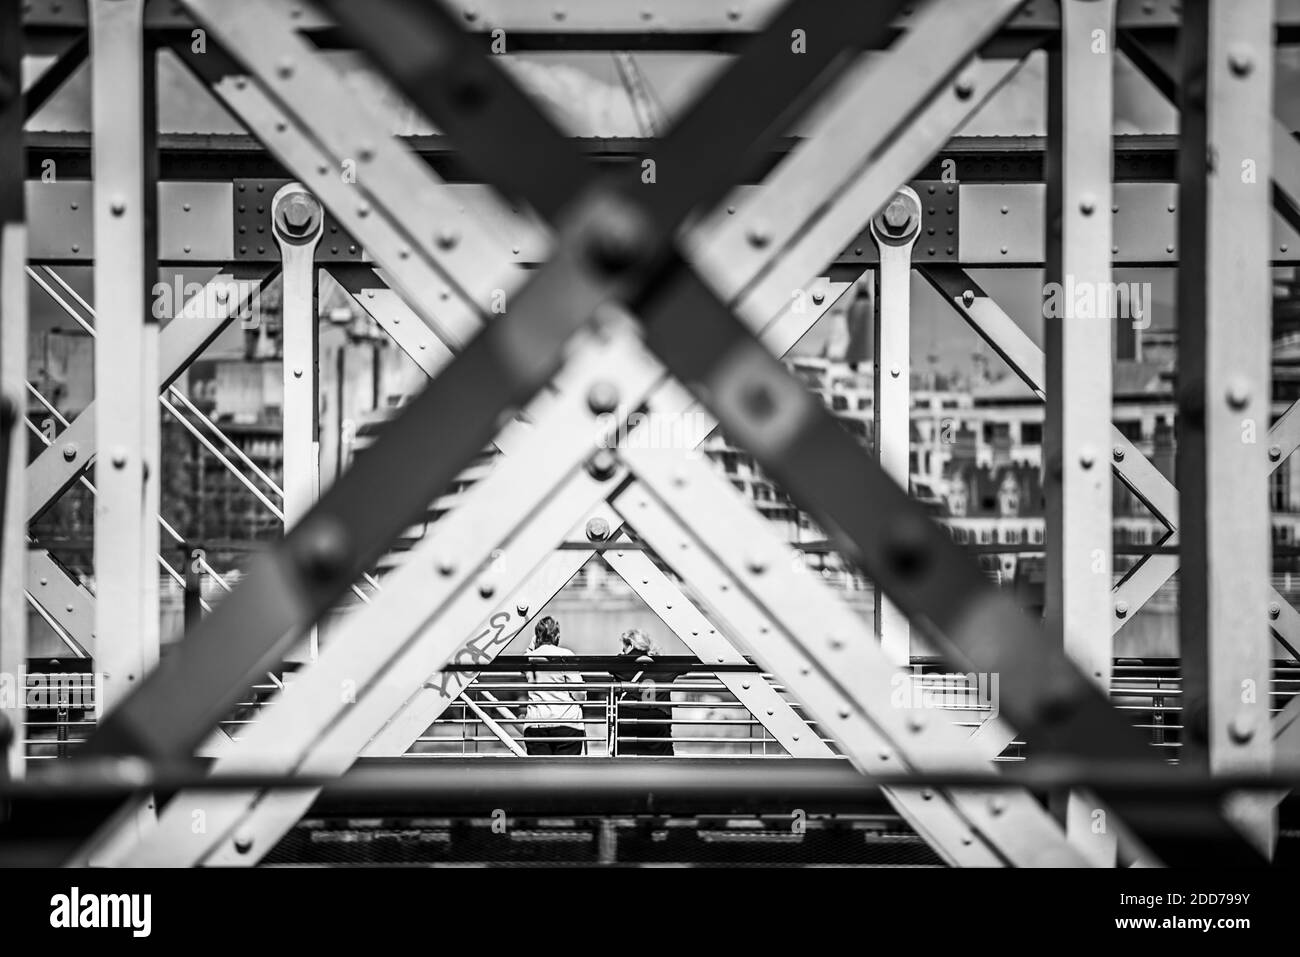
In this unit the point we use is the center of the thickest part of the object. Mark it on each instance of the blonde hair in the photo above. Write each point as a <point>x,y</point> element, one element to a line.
<point>634,639</point>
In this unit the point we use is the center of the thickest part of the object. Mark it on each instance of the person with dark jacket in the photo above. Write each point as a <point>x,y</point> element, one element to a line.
<point>644,712</point>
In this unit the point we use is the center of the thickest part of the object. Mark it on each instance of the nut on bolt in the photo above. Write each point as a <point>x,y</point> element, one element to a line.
<point>297,215</point>
<point>597,529</point>
<point>602,465</point>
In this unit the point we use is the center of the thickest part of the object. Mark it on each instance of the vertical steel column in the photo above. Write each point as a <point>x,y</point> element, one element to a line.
<point>126,351</point>
<point>298,223</point>
<point>1077,310</point>
<point>894,230</point>
<point>13,377</point>
<point>1224,393</point>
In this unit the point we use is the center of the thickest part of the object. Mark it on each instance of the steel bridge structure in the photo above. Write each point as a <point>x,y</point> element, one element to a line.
<point>553,289</point>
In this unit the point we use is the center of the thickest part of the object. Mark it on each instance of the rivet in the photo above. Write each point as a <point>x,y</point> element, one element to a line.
<point>756,564</point>
<point>1238,394</point>
<point>285,69</point>
<point>118,207</point>
<point>486,589</point>
<point>758,236</point>
<point>446,567</point>
<point>1087,457</point>
<point>603,397</point>
<point>1274,452</point>
<point>521,610</point>
<point>1242,728</point>
<point>297,373</point>
<point>964,88</point>
<point>119,458</point>
<point>448,237</point>
<point>895,371</point>
<point>1240,60</point>
<point>243,842</point>
<point>997,805</point>
<point>1087,206</point>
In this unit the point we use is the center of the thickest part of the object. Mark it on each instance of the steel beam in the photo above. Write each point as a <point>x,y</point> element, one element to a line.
<point>1224,296</point>
<point>427,704</point>
<point>65,601</point>
<point>1077,484</point>
<point>846,683</point>
<point>126,357</point>
<point>59,465</point>
<point>708,643</point>
<point>1134,469</point>
<point>846,141</point>
<point>895,232</point>
<point>1157,59</point>
<point>611,246</point>
<point>366,659</point>
<point>13,378</point>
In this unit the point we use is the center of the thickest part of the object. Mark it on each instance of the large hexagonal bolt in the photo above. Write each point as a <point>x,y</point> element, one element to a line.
<point>900,220</point>
<point>298,216</point>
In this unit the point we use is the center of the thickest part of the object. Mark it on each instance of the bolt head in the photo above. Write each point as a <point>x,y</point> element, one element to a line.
<point>297,214</point>
<point>1274,610</point>
<point>1242,728</point>
<point>603,397</point>
<point>602,465</point>
<point>1121,609</point>
<point>897,215</point>
<point>597,529</point>
<point>70,451</point>
<point>323,548</point>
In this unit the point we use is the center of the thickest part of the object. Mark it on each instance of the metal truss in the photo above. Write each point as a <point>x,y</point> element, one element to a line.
<point>630,310</point>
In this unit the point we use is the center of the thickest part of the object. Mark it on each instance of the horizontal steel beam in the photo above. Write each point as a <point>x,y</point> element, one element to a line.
<point>205,223</point>
<point>230,156</point>
<point>655,24</point>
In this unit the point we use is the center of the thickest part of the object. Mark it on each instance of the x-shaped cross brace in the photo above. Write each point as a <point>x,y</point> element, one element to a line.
<point>614,246</point>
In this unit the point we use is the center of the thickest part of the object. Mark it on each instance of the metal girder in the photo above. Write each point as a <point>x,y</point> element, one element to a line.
<point>70,605</point>
<point>1133,468</point>
<point>352,164</point>
<point>1076,482</point>
<point>904,558</point>
<point>984,235</point>
<point>372,729</point>
<point>525,501</point>
<point>427,704</point>
<point>1224,395</point>
<point>53,77</point>
<point>126,423</point>
<point>709,644</point>
<point>1157,59</point>
<point>13,378</point>
<point>56,468</point>
<point>895,232</point>
<point>611,244</point>
<point>664,24</point>
<point>847,683</point>
<point>944,36</point>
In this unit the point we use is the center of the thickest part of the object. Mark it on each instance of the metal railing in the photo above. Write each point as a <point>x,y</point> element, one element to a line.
<point>489,717</point>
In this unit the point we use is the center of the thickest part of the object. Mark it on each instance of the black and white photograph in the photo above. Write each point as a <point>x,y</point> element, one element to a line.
<point>658,447</point>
